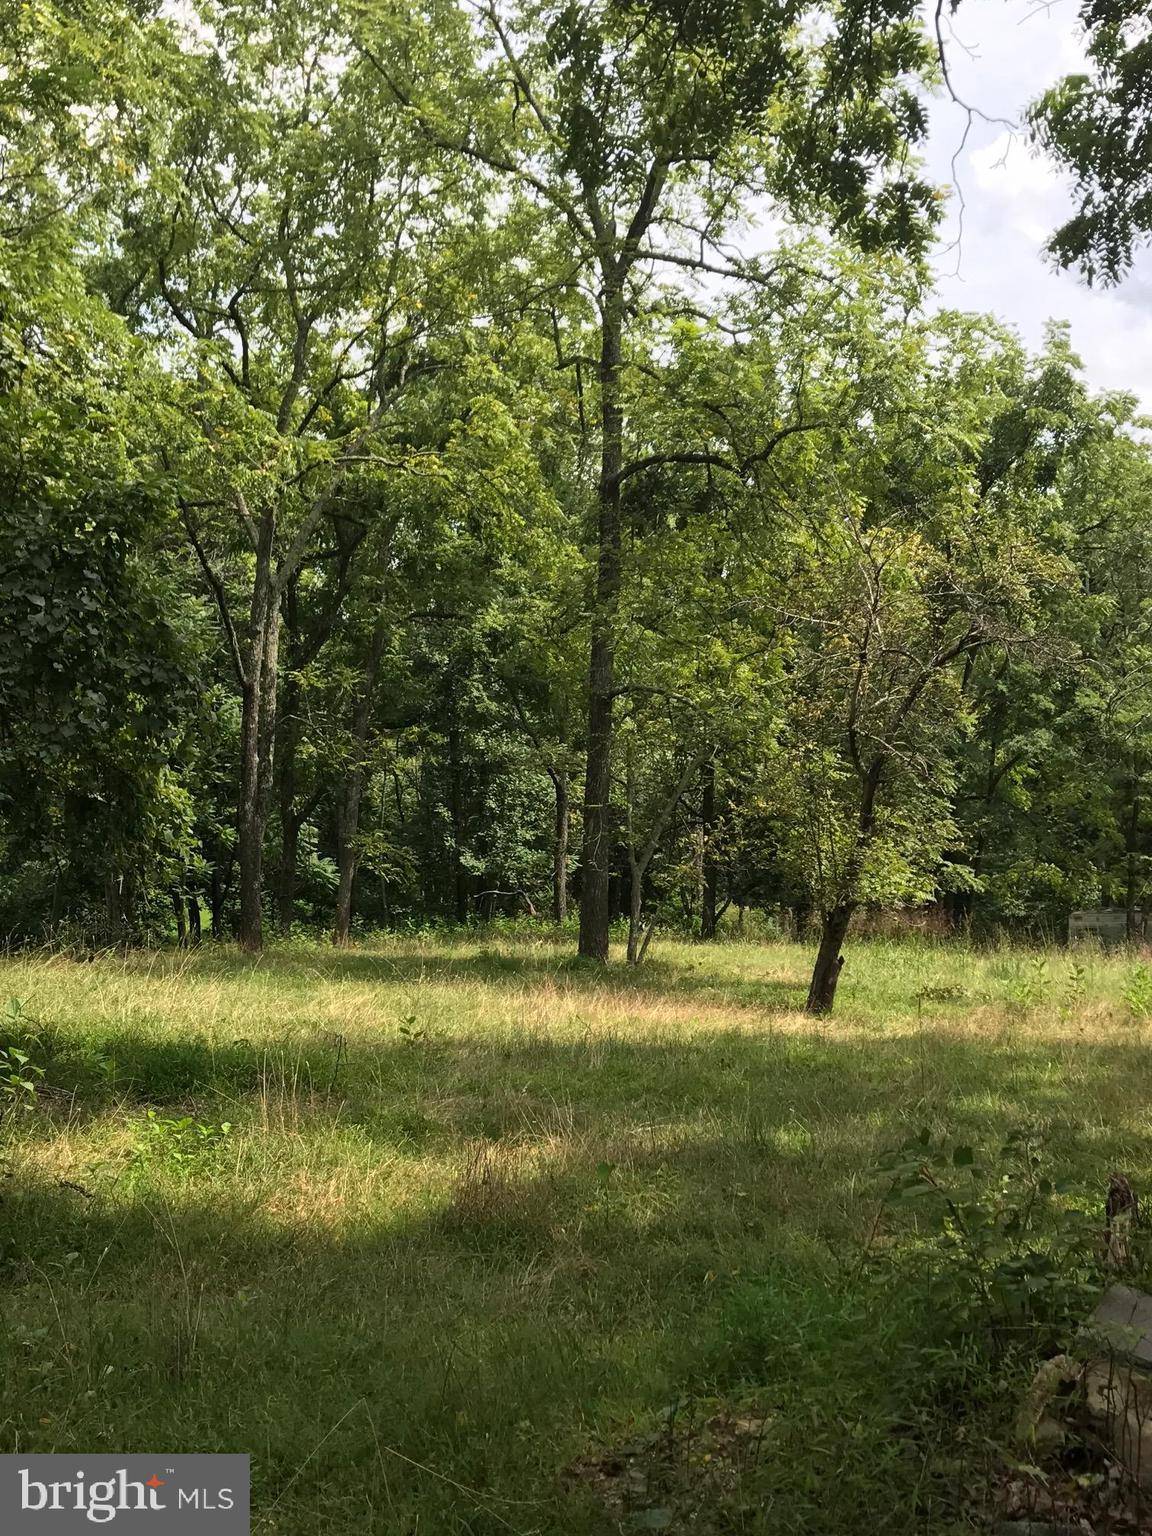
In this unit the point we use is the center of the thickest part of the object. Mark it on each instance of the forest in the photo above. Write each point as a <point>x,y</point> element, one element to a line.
<point>463,464</point>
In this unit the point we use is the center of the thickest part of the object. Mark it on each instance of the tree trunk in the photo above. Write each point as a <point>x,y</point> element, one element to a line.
<point>217,899</point>
<point>829,960</point>
<point>635,911</point>
<point>286,751</point>
<point>181,920</point>
<point>1132,859</point>
<point>560,847</point>
<point>456,813</point>
<point>348,821</point>
<point>302,650</point>
<point>128,899</point>
<point>594,919</point>
<point>257,730</point>
<point>708,919</point>
<point>195,927</point>
<point>348,812</point>
<point>250,843</point>
<point>638,862</point>
<point>347,852</point>
<point>114,906</point>
<point>286,875</point>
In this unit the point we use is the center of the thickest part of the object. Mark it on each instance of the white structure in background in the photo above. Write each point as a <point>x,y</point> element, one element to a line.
<point>1108,924</point>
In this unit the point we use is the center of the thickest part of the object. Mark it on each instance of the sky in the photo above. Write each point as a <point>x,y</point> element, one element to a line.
<point>1002,54</point>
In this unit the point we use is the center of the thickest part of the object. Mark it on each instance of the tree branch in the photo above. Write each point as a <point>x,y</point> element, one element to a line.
<point>218,592</point>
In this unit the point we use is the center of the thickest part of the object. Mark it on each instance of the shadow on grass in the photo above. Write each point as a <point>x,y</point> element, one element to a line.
<point>876,980</point>
<point>658,977</point>
<point>820,1073</point>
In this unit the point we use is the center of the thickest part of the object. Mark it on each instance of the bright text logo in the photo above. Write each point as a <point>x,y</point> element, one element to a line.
<point>61,1494</point>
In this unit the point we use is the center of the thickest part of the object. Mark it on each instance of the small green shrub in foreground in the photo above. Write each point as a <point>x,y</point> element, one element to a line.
<point>179,1143</point>
<point>1009,1251</point>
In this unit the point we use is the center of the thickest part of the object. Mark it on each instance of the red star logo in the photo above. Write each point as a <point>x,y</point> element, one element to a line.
<point>154,1482</point>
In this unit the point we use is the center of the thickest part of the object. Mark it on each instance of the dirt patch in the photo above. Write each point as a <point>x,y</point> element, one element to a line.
<point>683,1476</point>
<point>1098,1499</point>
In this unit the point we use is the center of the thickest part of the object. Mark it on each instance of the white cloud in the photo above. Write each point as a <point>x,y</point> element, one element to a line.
<point>1008,167</point>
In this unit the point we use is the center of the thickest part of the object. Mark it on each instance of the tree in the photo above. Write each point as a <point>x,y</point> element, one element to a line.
<point>1099,126</point>
<point>538,677</point>
<point>271,237</point>
<point>463,537</point>
<point>648,816</point>
<point>96,688</point>
<point>393,426</point>
<point>642,132</point>
<point>1113,697</point>
<point>927,548</point>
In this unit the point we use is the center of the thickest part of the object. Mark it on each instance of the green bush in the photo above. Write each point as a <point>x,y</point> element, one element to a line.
<point>1004,1249</point>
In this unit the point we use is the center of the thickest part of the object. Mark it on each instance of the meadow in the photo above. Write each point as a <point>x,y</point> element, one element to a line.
<point>454,1235</point>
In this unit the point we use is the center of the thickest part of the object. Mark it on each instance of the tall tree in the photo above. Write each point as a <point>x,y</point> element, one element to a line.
<point>270,236</point>
<point>644,132</point>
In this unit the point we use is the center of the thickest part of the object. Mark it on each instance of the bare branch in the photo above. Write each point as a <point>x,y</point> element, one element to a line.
<point>217,587</point>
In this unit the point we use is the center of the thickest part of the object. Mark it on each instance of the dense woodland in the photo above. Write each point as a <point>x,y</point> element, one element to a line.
<point>461,461</point>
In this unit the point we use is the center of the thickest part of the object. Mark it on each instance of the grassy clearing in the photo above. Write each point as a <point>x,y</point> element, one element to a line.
<point>478,1212</point>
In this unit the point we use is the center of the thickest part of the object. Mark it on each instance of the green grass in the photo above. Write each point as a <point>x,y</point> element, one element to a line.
<point>481,1214</point>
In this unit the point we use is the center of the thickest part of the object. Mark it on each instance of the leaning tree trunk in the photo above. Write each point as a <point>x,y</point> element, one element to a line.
<point>195,924</point>
<point>638,862</point>
<point>594,912</point>
<point>560,847</point>
<point>829,960</point>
